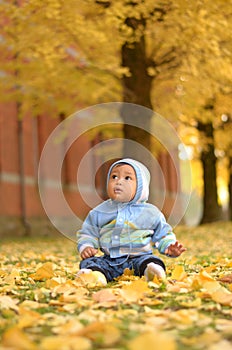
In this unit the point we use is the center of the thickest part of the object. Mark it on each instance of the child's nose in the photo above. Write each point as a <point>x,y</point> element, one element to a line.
<point>119,180</point>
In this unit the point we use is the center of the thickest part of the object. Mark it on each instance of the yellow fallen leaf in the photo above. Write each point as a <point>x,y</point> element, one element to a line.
<point>31,304</point>
<point>125,313</point>
<point>91,316</point>
<point>210,268</point>
<point>69,298</point>
<point>178,286</point>
<point>157,281</point>
<point>184,316</point>
<point>196,285</point>
<point>204,280</point>
<point>192,303</point>
<point>51,283</point>
<point>107,333</point>
<point>75,296</point>
<point>71,308</point>
<point>128,272</point>
<point>224,326</point>
<point>16,339</point>
<point>72,303</point>
<point>211,286</point>
<point>11,278</point>
<point>43,272</point>
<point>104,296</point>
<point>70,327</point>
<point>221,345</point>
<point>41,293</point>
<point>222,296</point>
<point>189,341</point>
<point>7,302</point>
<point>134,291</point>
<point>152,340</point>
<point>126,277</point>
<point>178,273</point>
<point>208,337</point>
<point>204,276</point>
<point>65,343</point>
<point>150,301</point>
<point>28,318</point>
<point>2,273</point>
<point>67,288</point>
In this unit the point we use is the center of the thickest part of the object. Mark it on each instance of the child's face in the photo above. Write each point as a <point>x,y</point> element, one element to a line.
<point>122,183</point>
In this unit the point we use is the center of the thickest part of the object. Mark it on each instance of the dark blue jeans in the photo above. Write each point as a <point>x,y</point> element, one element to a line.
<point>114,267</point>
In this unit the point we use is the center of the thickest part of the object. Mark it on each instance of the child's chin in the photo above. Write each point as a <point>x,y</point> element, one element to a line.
<point>121,199</point>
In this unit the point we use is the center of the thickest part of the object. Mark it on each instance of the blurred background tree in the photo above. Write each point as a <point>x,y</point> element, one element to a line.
<point>205,85</point>
<point>172,56</point>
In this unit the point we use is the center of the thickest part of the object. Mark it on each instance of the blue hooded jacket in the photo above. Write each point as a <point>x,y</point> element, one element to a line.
<point>127,229</point>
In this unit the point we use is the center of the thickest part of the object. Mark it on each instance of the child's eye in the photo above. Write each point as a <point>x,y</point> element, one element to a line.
<point>114,176</point>
<point>128,178</point>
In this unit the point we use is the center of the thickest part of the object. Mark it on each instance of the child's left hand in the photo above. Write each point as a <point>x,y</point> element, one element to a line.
<point>175,249</point>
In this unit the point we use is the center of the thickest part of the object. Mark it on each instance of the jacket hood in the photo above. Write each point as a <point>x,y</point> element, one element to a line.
<point>142,177</point>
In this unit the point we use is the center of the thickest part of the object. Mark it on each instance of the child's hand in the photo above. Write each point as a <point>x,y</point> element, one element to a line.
<point>175,249</point>
<point>88,252</point>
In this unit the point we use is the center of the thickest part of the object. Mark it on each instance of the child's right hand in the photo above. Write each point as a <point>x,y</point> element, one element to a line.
<point>88,252</point>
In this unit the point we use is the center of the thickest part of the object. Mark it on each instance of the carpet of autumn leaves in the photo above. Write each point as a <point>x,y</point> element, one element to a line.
<point>43,306</point>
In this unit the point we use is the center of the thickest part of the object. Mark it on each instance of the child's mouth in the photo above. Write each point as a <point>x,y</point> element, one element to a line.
<point>117,190</point>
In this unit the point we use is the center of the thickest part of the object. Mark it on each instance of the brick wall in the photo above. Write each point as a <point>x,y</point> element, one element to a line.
<point>19,158</point>
<point>21,144</point>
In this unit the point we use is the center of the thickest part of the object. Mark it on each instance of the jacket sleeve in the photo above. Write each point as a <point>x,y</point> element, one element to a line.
<point>88,235</point>
<point>163,235</point>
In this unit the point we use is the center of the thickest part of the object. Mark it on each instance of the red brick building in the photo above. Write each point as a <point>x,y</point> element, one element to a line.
<point>21,145</point>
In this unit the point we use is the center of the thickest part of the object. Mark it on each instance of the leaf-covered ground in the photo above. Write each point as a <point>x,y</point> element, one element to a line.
<point>43,306</point>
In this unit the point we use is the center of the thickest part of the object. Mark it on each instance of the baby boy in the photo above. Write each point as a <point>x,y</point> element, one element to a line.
<point>126,228</point>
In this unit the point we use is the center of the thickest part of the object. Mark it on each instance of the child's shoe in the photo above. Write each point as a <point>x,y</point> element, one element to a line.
<point>91,278</point>
<point>153,270</point>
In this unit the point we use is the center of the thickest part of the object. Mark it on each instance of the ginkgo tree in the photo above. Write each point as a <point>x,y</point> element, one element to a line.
<point>204,44</point>
<point>203,89</point>
<point>64,54</point>
<point>43,57</point>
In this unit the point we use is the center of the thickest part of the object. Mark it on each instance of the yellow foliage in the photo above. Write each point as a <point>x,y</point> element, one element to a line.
<point>106,295</point>
<point>7,303</point>
<point>107,333</point>
<point>71,58</point>
<point>65,343</point>
<point>16,339</point>
<point>152,340</point>
<point>192,307</point>
<point>222,296</point>
<point>43,272</point>
<point>179,273</point>
<point>134,291</point>
<point>28,318</point>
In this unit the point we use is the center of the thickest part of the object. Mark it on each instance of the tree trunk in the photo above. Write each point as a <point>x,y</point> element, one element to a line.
<point>211,209</point>
<point>136,92</point>
<point>23,204</point>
